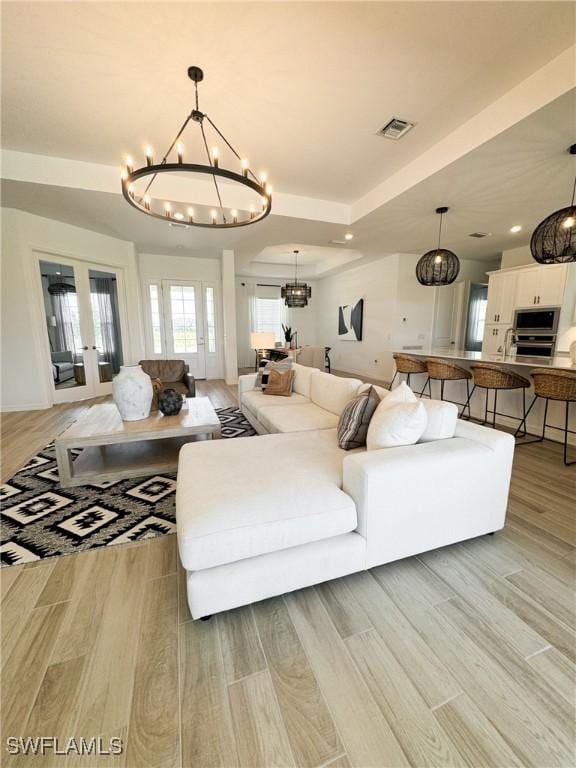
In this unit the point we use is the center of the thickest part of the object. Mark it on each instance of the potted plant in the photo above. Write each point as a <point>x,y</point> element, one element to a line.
<point>287,335</point>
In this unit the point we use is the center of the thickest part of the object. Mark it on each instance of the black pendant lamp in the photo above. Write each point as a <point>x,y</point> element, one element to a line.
<point>440,266</point>
<point>554,239</point>
<point>296,294</point>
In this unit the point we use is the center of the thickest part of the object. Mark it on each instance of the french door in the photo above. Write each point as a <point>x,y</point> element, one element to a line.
<point>83,306</point>
<point>183,324</point>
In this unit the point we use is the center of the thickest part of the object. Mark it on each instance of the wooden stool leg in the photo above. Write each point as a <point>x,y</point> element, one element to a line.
<point>408,379</point>
<point>441,389</point>
<point>393,379</point>
<point>486,408</point>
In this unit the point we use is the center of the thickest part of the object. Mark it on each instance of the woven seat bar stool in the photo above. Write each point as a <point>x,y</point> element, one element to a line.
<point>443,371</point>
<point>408,365</point>
<point>488,376</point>
<point>553,385</point>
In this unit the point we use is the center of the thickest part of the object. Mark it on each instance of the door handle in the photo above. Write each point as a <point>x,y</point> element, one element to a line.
<point>85,349</point>
<point>94,347</point>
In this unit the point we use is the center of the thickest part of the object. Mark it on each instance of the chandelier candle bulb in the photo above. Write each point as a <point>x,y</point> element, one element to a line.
<point>129,165</point>
<point>215,155</point>
<point>213,216</point>
<point>147,202</point>
<point>244,167</point>
<point>148,153</point>
<point>251,211</point>
<point>234,216</point>
<point>180,151</point>
<point>167,209</point>
<point>269,190</point>
<point>191,215</point>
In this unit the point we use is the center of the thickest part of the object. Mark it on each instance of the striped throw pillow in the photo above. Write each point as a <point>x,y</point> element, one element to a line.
<point>355,419</point>
<point>282,366</point>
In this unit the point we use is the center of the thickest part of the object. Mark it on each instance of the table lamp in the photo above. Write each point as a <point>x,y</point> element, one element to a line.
<point>262,341</point>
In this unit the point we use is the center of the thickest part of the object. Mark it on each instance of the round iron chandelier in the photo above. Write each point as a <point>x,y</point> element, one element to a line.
<point>440,266</point>
<point>61,288</point>
<point>220,217</point>
<point>554,239</point>
<point>296,294</point>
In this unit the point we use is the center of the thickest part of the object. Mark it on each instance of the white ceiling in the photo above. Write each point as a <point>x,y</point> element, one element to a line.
<point>516,178</point>
<point>301,88</point>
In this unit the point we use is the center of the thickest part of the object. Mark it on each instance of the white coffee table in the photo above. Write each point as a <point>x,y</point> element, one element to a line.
<point>112,449</point>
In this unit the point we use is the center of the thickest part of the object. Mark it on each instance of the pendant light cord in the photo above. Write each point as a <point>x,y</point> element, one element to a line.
<point>440,232</point>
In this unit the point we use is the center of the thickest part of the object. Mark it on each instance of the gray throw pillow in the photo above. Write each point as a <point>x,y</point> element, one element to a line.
<point>282,366</point>
<point>355,419</point>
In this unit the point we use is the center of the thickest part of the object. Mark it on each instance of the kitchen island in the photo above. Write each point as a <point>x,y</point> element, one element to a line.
<point>560,362</point>
<point>509,402</point>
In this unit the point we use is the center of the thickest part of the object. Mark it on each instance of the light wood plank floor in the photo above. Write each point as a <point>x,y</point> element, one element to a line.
<point>461,657</point>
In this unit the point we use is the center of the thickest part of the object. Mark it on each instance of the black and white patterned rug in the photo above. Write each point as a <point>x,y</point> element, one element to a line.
<point>40,519</point>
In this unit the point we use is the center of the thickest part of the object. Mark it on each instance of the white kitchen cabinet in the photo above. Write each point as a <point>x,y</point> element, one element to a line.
<point>501,291</point>
<point>541,286</point>
<point>494,336</point>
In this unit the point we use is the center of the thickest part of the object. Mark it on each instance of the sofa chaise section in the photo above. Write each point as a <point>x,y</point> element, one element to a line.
<point>282,491</point>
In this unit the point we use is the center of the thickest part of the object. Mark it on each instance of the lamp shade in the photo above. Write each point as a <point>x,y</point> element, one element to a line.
<point>262,340</point>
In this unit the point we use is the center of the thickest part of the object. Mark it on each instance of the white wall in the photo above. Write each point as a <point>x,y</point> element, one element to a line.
<point>155,266</point>
<point>302,320</point>
<point>398,311</point>
<point>517,257</point>
<point>26,374</point>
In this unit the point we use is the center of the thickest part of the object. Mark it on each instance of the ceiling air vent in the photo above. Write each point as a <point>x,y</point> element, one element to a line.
<point>396,128</point>
<point>480,234</point>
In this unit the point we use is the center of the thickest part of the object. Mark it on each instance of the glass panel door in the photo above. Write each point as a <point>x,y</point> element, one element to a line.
<point>184,321</point>
<point>67,330</point>
<point>106,323</point>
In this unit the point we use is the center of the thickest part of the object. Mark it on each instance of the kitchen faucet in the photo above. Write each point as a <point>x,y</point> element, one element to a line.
<point>510,334</point>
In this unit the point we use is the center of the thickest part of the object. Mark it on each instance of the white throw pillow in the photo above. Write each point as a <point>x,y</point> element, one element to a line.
<point>400,394</point>
<point>442,418</point>
<point>397,424</point>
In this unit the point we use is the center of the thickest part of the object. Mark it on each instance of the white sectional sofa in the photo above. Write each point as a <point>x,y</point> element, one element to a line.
<point>265,515</point>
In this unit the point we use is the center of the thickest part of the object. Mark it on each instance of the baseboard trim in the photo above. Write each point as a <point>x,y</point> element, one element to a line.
<point>25,407</point>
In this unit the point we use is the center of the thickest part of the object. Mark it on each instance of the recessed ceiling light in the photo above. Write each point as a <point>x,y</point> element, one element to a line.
<point>516,228</point>
<point>348,236</point>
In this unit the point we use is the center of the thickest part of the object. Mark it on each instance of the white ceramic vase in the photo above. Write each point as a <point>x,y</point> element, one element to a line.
<point>132,393</point>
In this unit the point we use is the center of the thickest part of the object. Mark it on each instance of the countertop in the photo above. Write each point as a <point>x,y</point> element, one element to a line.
<point>559,362</point>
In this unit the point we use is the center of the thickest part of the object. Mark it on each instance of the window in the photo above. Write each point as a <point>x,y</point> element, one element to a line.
<point>269,314</point>
<point>210,320</point>
<point>155,315</point>
<point>183,310</point>
<point>477,305</point>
